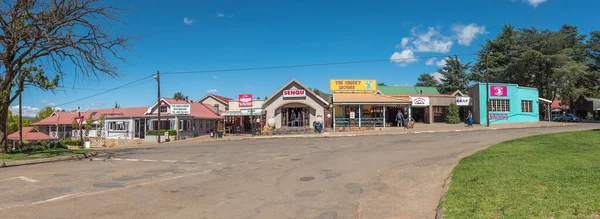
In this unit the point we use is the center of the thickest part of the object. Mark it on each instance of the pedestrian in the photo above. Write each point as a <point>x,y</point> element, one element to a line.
<point>400,119</point>
<point>470,119</point>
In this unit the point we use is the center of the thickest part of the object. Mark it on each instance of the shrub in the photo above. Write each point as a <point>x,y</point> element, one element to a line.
<point>162,132</point>
<point>71,142</point>
<point>452,117</point>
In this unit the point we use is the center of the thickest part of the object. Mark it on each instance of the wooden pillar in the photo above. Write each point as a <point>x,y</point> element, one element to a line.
<point>359,115</point>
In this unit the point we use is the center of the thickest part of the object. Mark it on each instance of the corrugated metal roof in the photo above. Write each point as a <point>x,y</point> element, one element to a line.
<point>367,98</point>
<point>30,134</point>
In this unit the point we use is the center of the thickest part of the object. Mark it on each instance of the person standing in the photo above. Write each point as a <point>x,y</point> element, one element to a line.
<point>470,119</point>
<point>400,118</point>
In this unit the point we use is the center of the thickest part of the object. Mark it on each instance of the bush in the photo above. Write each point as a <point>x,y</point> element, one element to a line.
<point>71,142</point>
<point>452,117</point>
<point>162,132</point>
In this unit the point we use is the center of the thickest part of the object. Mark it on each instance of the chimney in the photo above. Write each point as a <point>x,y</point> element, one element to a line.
<point>217,109</point>
<point>186,99</point>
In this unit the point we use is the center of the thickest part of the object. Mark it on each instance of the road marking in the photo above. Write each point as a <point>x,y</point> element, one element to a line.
<point>169,161</point>
<point>259,161</point>
<point>132,159</point>
<point>117,159</point>
<point>149,160</point>
<point>417,132</point>
<point>25,179</point>
<point>214,164</point>
<point>278,158</point>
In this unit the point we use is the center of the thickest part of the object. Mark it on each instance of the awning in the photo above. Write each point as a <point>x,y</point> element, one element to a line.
<point>246,112</point>
<point>367,98</point>
<point>545,100</point>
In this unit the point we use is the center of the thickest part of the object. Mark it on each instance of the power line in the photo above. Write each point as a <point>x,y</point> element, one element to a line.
<point>310,65</point>
<point>115,88</point>
<point>97,89</point>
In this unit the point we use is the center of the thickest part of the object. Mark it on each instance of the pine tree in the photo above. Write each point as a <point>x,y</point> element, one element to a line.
<point>452,117</point>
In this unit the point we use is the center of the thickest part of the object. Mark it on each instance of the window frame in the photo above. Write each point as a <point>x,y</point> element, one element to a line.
<point>527,106</point>
<point>499,105</point>
<point>161,109</point>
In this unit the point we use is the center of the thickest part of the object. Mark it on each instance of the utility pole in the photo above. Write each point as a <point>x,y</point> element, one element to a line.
<point>80,130</point>
<point>252,121</point>
<point>487,89</point>
<point>157,77</point>
<point>21,112</point>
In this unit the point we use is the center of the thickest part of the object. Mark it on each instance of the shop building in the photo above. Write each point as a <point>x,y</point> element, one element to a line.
<point>508,103</point>
<point>357,105</point>
<point>587,107</point>
<point>295,105</point>
<point>243,114</point>
<point>216,101</point>
<point>428,105</point>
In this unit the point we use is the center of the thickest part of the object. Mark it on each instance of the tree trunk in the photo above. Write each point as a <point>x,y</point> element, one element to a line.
<point>4,125</point>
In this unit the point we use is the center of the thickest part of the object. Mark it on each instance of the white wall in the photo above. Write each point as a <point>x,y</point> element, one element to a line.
<point>128,133</point>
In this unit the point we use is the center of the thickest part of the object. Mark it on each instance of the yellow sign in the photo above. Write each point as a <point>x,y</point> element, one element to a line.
<point>352,85</point>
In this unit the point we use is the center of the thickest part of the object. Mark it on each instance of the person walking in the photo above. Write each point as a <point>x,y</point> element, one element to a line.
<point>470,119</point>
<point>400,119</point>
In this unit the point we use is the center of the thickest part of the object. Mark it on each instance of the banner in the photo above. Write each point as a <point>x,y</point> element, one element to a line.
<point>498,91</point>
<point>419,101</point>
<point>352,85</point>
<point>245,100</point>
<point>498,116</point>
<point>463,101</point>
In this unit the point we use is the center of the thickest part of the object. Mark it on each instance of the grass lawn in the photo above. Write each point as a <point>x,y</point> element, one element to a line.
<point>546,176</point>
<point>41,154</point>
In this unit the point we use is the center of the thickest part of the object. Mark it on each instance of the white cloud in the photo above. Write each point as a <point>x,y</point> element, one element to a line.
<point>466,34</point>
<point>188,21</point>
<point>220,14</point>
<point>430,41</point>
<point>96,104</point>
<point>43,101</point>
<point>28,111</point>
<point>430,61</point>
<point>535,3</point>
<point>51,104</point>
<point>211,91</point>
<point>441,63</point>
<point>438,76</point>
<point>403,58</point>
<point>215,77</point>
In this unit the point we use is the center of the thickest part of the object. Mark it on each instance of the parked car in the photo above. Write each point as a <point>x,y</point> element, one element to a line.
<point>569,117</point>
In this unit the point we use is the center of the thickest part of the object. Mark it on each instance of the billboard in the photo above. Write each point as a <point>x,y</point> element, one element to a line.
<point>245,100</point>
<point>498,91</point>
<point>352,85</point>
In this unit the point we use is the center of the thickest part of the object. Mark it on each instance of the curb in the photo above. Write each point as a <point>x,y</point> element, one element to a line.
<point>46,160</point>
<point>379,134</point>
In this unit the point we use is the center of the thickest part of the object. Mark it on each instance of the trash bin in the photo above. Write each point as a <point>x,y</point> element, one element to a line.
<point>87,144</point>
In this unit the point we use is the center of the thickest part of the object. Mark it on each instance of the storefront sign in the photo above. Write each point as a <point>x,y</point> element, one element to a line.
<point>352,85</point>
<point>420,101</point>
<point>245,100</point>
<point>248,112</point>
<point>498,116</point>
<point>294,93</point>
<point>180,109</point>
<point>463,101</point>
<point>352,115</point>
<point>498,91</point>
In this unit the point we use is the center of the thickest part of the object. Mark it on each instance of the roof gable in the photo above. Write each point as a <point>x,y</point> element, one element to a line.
<point>299,86</point>
<point>222,99</point>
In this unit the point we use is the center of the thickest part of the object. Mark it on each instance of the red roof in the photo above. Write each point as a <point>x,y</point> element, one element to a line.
<point>204,111</point>
<point>30,134</point>
<point>557,104</point>
<point>66,118</point>
<point>220,98</point>
<point>174,101</point>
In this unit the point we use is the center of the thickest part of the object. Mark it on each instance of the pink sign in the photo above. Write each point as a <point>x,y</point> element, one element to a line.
<point>245,100</point>
<point>498,91</point>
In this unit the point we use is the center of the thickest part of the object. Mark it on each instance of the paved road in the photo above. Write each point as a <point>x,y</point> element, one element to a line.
<point>366,177</point>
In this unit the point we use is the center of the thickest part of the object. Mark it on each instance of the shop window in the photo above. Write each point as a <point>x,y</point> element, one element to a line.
<point>527,106</point>
<point>118,126</point>
<point>163,109</point>
<point>499,106</point>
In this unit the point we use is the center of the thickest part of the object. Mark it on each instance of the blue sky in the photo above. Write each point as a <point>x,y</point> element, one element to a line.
<point>191,35</point>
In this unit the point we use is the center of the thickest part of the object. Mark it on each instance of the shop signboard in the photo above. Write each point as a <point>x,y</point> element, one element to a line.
<point>463,101</point>
<point>180,109</point>
<point>352,85</point>
<point>352,115</point>
<point>419,101</point>
<point>248,112</point>
<point>294,93</point>
<point>498,116</point>
<point>245,100</point>
<point>498,91</point>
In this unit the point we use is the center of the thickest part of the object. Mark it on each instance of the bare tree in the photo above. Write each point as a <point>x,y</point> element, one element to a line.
<point>39,36</point>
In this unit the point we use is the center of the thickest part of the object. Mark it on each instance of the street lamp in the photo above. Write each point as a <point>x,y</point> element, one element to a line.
<point>487,89</point>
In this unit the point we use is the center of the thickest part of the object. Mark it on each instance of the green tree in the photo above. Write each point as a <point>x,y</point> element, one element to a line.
<point>455,76</point>
<point>117,105</point>
<point>179,96</point>
<point>13,122</point>
<point>593,52</point>
<point>42,114</point>
<point>381,84</point>
<point>316,91</point>
<point>257,98</point>
<point>453,115</point>
<point>53,32</point>
<point>427,80</point>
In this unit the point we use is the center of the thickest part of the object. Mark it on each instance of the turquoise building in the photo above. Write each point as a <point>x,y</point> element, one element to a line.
<point>509,103</point>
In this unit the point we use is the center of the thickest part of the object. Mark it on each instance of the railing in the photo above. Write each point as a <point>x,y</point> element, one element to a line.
<point>364,122</point>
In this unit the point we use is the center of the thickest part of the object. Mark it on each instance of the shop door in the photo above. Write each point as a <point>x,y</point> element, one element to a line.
<point>137,129</point>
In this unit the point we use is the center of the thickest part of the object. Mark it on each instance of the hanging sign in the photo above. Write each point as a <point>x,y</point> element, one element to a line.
<point>79,121</point>
<point>245,100</point>
<point>463,101</point>
<point>294,93</point>
<point>180,109</point>
<point>420,101</point>
<point>498,91</point>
